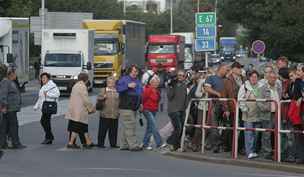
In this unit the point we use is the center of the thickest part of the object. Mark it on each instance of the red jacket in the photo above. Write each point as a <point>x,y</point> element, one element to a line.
<point>150,98</point>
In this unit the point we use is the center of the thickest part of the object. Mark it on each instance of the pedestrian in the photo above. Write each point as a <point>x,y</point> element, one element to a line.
<point>177,102</point>
<point>232,84</point>
<point>108,100</point>
<point>270,91</point>
<point>130,90</point>
<point>3,142</point>
<point>199,93</point>
<point>11,99</point>
<point>37,68</point>
<point>296,112</point>
<point>150,102</point>
<point>250,112</point>
<point>48,92</point>
<point>79,108</point>
<point>214,86</point>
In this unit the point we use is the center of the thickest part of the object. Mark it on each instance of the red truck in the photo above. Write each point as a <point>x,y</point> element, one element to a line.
<point>166,52</point>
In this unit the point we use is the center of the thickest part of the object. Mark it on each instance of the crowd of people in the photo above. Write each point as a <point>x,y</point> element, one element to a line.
<point>124,99</point>
<point>276,82</point>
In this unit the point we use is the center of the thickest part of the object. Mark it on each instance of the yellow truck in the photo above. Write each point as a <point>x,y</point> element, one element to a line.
<point>117,45</point>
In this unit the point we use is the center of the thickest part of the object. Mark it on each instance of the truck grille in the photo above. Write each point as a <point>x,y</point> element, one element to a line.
<point>103,65</point>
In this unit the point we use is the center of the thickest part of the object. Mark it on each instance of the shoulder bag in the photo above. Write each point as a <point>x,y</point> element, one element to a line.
<point>49,107</point>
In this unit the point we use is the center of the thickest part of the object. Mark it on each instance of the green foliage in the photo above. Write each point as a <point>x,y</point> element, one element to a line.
<point>16,8</point>
<point>279,23</point>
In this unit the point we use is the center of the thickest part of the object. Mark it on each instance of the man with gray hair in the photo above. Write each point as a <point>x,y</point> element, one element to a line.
<point>271,91</point>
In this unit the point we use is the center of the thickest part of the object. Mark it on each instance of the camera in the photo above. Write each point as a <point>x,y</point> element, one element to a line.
<point>172,79</point>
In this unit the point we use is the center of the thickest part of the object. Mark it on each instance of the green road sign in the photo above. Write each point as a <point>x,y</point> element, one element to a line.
<point>205,19</point>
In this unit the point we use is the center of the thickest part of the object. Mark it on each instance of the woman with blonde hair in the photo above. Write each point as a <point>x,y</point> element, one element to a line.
<point>108,101</point>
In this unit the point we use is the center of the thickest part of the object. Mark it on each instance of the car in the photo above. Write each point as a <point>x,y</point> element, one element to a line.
<point>214,59</point>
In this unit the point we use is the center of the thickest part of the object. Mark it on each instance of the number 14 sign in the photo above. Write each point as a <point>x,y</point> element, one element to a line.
<point>205,31</point>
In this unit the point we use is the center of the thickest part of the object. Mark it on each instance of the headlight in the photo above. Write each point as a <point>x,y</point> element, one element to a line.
<point>170,60</point>
<point>75,77</point>
<point>114,74</point>
<point>222,57</point>
<point>171,69</point>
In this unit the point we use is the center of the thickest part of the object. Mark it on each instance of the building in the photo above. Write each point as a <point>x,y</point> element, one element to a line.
<point>156,6</point>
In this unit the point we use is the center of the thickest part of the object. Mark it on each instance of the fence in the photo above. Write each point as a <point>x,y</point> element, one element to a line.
<point>275,130</point>
<point>203,126</point>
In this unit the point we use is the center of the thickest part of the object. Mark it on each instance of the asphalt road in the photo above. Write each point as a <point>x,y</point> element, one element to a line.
<point>55,161</point>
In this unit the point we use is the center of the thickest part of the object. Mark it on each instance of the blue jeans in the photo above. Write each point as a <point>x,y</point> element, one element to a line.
<point>151,129</point>
<point>250,137</point>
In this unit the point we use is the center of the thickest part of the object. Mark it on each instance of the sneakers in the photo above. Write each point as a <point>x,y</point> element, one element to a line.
<point>252,155</point>
<point>149,148</point>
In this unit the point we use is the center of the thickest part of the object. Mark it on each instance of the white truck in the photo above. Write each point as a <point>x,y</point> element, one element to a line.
<point>65,53</point>
<point>14,46</point>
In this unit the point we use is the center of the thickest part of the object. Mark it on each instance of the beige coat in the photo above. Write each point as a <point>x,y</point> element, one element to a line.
<point>111,103</point>
<point>79,105</point>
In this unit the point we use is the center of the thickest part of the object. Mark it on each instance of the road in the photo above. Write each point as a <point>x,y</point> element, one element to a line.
<point>56,161</point>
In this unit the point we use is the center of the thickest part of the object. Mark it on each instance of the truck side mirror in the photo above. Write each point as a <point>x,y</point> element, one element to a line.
<point>89,66</point>
<point>9,58</point>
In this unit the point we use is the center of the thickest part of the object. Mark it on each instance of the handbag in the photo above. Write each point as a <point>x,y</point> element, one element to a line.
<point>99,105</point>
<point>49,107</point>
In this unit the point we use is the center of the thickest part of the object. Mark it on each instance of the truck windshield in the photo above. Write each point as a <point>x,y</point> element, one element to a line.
<point>103,47</point>
<point>161,49</point>
<point>62,60</point>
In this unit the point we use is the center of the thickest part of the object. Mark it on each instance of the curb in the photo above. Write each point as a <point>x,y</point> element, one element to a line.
<point>293,168</point>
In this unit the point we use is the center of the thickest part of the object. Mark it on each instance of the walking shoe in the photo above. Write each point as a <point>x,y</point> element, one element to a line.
<point>252,155</point>
<point>149,148</point>
<point>47,141</point>
<point>137,148</point>
<point>73,146</point>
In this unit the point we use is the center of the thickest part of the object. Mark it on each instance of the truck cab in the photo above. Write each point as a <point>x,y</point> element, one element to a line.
<point>165,52</point>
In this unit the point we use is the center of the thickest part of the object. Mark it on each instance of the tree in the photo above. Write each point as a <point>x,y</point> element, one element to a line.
<point>19,8</point>
<point>279,23</point>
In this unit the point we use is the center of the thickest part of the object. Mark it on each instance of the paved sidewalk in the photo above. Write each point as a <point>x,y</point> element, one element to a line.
<point>29,115</point>
<point>225,159</point>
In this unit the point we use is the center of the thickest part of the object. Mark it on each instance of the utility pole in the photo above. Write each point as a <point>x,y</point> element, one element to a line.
<point>42,15</point>
<point>198,6</point>
<point>171,16</point>
<point>124,8</point>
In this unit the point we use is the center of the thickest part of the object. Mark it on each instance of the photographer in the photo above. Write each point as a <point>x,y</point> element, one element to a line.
<point>177,102</point>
